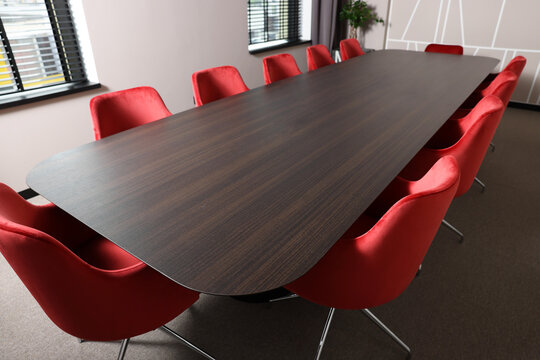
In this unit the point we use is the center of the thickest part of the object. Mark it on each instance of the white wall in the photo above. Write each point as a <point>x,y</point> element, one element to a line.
<point>496,28</point>
<point>159,43</point>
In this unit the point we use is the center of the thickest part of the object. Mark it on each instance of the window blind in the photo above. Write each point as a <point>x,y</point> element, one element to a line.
<point>274,21</point>
<point>39,45</point>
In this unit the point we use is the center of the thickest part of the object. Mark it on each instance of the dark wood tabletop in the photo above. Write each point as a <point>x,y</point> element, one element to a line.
<point>246,194</point>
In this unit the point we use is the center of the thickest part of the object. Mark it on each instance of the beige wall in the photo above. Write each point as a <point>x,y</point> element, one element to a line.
<point>135,42</point>
<point>498,28</point>
<point>374,38</point>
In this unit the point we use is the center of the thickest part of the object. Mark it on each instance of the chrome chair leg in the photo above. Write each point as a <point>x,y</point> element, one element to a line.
<point>185,342</point>
<point>123,349</point>
<point>383,327</point>
<point>492,146</point>
<point>287,297</point>
<point>325,332</point>
<point>477,180</point>
<point>461,236</point>
<point>419,270</point>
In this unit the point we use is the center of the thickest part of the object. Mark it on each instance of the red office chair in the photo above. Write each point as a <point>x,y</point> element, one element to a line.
<point>122,110</point>
<point>467,139</point>
<point>350,48</point>
<point>216,83</point>
<point>503,87</point>
<point>87,286</point>
<point>378,257</point>
<point>279,67</point>
<point>445,49</point>
<point>516,66</point>
<point>318,56</point>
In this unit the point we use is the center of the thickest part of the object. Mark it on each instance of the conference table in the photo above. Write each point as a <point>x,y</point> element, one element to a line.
<point>246,194</point>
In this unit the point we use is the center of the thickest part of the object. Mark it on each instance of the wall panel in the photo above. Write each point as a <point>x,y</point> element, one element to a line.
<point>497,28</point>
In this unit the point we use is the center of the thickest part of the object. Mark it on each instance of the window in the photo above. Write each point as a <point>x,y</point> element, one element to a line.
<point>39,50</point>
<point>278,23</point>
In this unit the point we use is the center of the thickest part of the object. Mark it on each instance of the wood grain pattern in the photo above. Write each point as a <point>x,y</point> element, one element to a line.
<point>247,193</point>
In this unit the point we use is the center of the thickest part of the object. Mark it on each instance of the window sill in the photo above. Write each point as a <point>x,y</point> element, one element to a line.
<point>50,92</point>
<point>279,46</point>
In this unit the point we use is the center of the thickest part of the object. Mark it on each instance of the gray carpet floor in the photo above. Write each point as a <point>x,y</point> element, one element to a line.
<point>476,300</point>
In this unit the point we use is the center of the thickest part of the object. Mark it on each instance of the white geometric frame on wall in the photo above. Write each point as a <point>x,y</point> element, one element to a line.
<point>439,37</point>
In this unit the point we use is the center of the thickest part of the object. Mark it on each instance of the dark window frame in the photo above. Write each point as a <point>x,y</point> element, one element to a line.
<point>285,34</point>
<point>68,49</point>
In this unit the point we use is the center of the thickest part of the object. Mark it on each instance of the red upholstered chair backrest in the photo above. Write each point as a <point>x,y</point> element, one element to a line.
<point>445,49</point>
<point>45,248</point>
<point>216,83</point>
<point>516,65</point>
<point>502,86</point>
<point>125,109</point>
<point>467,139</point>
<point>279,67</point>
<point>350,48</point>
<point>379,255</point>
<point>318,56</point>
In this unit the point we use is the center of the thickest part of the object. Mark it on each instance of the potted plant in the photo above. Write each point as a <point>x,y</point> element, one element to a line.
<point>360,15</point>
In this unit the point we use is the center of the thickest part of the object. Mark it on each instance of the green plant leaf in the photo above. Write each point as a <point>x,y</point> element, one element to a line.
<point>359,14</point>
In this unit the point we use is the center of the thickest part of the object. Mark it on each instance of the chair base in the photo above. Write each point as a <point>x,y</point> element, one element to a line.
<point>370,316</point>
<point>286,297</point>
<point>264,297</point>
<point>325,332</point>
<point>477,180</point>
<point>451,227</point>
<point>123,349</point>
<point>125,342</point>
<point>384,328</point>
<point>185,342</point>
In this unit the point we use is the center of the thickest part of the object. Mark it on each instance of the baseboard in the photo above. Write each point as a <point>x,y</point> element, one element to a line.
<point>521,105</point>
